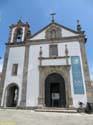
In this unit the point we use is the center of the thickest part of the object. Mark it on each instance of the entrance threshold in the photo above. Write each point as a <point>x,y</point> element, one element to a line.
<point>8,107</point>
<point>54,109</point>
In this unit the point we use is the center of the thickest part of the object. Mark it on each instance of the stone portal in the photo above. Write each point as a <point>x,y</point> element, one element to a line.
<point>55,91</point>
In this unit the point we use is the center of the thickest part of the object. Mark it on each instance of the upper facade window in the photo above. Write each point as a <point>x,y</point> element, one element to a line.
<point>53,32</point>
<point>14,69</point>
<point>19,33</point>
<point>53,50</point>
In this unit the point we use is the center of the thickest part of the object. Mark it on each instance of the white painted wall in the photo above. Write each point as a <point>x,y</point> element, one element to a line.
<point>52,62</point>
<point>67,33</point>
<point>39,36</point>
<point>33,71</point>
<point>16,56</point>
<point>33,74</point>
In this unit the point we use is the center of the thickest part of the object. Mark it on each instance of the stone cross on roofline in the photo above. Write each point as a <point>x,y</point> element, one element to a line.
<point>53,17</point>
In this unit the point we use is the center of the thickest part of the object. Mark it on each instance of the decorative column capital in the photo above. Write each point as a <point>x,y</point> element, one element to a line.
<point>66,53</point>
<point>40,55</point>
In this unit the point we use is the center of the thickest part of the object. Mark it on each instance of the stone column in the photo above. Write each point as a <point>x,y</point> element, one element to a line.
<point>69,104</point>
<point>41,98</point>
<point>4,72</point>
<point>68,86</point>
<point>25,74</point>
<point>68,89</point>
<point>86,71</point>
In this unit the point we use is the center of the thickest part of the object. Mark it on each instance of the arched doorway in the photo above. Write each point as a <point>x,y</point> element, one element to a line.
<point>12,93</point>
<point>55,95</point>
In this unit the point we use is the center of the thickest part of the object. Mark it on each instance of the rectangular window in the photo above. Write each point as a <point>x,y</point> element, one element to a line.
<point>53,50</point>
<point>14,69</point>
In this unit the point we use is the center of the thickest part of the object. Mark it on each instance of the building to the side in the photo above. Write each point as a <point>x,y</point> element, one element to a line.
<point>0,86</point>
<point>92,83</point>
<point>0,76</point>
<point>47,69</point>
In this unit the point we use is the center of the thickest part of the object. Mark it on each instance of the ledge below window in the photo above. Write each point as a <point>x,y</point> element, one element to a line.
<point>55,57</point>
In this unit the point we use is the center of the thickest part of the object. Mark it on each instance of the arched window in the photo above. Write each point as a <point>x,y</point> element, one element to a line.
<point>53,34</point>
<point>19,33</point>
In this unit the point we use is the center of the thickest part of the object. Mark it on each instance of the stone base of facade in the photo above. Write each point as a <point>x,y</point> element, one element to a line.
<point>41,102</point>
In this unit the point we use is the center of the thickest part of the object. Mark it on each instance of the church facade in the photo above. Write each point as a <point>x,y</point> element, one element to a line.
<point>47,69</point>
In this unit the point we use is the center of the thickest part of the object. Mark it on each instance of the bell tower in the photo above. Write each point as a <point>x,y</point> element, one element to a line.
<point>19,32</point>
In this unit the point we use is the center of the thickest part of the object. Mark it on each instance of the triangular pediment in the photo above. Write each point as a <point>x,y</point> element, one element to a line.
<point>64,31</point>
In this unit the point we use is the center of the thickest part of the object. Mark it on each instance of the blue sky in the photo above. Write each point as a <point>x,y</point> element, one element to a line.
<point>36,12</point>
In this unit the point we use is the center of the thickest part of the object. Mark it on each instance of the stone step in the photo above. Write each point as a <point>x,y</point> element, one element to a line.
<point>60,110</point>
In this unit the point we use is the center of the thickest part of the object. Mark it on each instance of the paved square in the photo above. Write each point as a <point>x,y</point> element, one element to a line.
<point>29,117</point>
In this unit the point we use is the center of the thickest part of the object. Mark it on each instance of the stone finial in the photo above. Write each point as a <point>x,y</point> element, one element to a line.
<point>28,34</point>
<point>19,21</point>
<point>78,26</point>
<point>40,55</point>
<point>66,50</point>
<point>27,24</point>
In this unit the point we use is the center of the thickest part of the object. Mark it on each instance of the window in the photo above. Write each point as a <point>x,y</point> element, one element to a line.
<point>53,50</point>
<point>53,34</point>
<point>14,69</point>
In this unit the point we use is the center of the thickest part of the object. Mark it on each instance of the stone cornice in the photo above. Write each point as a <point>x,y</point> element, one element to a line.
<point>53,66</point>
<point>56,57</point>
<point>44,41</point>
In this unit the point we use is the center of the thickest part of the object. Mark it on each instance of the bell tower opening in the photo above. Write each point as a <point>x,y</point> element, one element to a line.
<point>19,34</point>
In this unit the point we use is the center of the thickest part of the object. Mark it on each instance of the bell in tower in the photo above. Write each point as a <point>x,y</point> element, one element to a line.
<point>19,34</point>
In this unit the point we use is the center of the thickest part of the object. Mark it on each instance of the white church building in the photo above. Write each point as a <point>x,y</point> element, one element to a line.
<point>47,69</point>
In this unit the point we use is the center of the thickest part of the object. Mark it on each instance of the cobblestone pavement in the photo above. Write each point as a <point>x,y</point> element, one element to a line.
<point>29,117</point>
